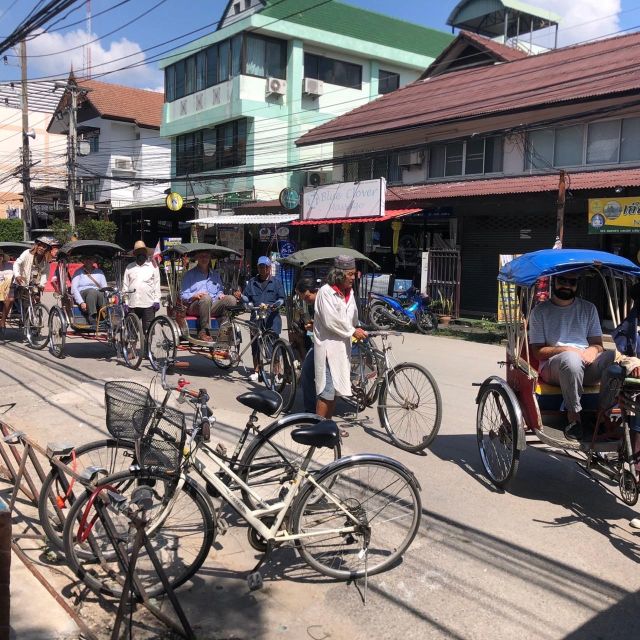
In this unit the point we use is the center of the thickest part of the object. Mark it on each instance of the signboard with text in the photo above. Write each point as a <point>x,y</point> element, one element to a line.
<point>614,215</point>
<point>344,200</point>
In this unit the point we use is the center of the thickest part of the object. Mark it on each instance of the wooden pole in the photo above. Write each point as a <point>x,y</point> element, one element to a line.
<point>562,187</point>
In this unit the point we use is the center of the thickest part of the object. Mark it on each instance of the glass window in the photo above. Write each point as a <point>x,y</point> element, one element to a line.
<point>311,66</point>
<point>493,154</point>
<point>630,145</point>
<point>201,68</point>
<point>540,149</point>
<point>394,174</point>
<point>190,82</point>
<point>603,142</point>
<point>209,149</point>
<point>388,81</point>
<point>225,145</point>
<point>437,157</point>
<point>241,141</point>
<point>236,55</point>
<point>351,171</point>
<point>333,71</point>
<point>180,78</point>
<point>212,65</point>
<point>568,147</point>
<point>453,162</point>
<point>475,156</point>
<point>223,61</point>
<point>276,58</point>
<point>256,56</point>
<point>170,84</point>
<point>380,167</point>
<point>364,169</point>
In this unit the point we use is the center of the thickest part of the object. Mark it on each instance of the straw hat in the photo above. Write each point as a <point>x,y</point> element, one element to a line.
<point>140,246</point>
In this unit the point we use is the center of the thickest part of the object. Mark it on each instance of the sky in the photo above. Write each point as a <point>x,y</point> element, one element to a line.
<point>140,31</point>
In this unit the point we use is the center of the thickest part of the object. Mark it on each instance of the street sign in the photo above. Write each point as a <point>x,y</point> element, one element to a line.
<point>289,198</point>
<point>174,201</point>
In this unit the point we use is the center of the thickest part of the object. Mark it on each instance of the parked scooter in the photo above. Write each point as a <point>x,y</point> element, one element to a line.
<point>412,309</point>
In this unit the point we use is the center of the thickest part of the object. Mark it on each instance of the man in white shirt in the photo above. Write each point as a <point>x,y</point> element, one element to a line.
<point>85,288</point>
<point>142,278</point>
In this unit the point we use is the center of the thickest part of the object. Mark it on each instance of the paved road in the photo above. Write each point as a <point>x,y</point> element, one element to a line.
<point>554,558</point>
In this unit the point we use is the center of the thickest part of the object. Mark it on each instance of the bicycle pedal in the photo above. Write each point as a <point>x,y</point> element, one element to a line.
<point>255,581</point>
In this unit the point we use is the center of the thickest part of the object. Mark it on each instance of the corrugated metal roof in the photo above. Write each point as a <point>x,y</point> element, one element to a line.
<point>251,219</point>
<point>40,95</point>
<point>388,215</point>
<point>580,72</point>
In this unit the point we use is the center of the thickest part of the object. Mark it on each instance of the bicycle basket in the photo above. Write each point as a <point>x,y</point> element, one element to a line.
<point>123,400</point>
<point>163,441</point>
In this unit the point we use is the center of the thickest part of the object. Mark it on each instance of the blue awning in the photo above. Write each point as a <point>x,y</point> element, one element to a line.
<point>526,269</point>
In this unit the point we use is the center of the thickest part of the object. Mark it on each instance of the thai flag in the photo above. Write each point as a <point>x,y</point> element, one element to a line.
<point>157,255</point>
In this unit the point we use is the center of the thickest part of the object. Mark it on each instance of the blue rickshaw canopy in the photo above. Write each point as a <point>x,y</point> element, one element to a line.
<point>527,268</point>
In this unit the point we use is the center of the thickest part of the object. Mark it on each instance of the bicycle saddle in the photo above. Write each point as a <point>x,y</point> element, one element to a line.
<point>264,401</point>
<point>323,434</point>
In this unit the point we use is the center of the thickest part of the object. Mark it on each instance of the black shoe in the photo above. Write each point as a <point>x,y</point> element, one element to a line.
<point>573,431</point>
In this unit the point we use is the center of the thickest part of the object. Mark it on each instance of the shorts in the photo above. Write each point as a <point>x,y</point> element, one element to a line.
<point>329,392</point>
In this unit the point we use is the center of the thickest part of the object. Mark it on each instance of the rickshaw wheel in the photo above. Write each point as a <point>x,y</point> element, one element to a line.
<point>162,342</point>
<point>281,376</point>
<point>57,332</point>
<point>496,430</point>
<point>628,487</point>
<point>131,338</point>
<point>35,327</point>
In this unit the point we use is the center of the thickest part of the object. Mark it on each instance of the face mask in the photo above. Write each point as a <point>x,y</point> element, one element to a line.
<point>141,258</point>
<point>564,294</point>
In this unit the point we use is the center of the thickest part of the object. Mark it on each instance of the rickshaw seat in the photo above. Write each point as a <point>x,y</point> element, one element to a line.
<point>550,398</point>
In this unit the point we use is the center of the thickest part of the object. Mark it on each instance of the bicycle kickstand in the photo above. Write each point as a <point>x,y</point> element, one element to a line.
<point>254,579</point>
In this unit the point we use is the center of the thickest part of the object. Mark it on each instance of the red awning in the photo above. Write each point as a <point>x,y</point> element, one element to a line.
<point>388,215</point>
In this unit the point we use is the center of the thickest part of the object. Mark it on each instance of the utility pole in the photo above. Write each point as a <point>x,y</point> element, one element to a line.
<point>562,187</point>
<point>72,143</point>
<point>26,158</point>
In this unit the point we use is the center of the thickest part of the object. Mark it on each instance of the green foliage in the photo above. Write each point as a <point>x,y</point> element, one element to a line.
<point>62,231</point>
<point>97,230</point>
<point>11,230</point>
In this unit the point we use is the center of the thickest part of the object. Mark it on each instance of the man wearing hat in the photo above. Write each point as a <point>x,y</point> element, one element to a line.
<point>203,294</point>
<point>85,288</point>
<point>264,290</point>
<point>142,278</point>
<point>335,325</point>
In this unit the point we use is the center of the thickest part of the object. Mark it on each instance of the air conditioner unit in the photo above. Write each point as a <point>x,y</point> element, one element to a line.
<point>318,178</point>
<point>312,87</point>
<point>276,86</point>
<point>122,164</point>
<point>410,158</point>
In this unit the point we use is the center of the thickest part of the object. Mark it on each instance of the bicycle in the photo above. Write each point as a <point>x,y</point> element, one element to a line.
<point>30,315</point>
<point>355,517</point>
<point>409,401</point>
<point>262,463</point>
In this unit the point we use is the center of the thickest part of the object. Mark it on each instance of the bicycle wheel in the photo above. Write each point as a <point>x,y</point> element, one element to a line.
<point>226,345</point>
<point>131,338</point>
<point>162,341</point>
<point>266,343</point>
<point>180,527</point>
<point>57,332</point>
<point>269,460</point>
<point>426,321</point>
<point>496,427</point>
<point>281,374</point>
<point>35,326</point>
<point>376,492</point>
<point>410,407</point>
<point>380,316</point>
<point>364,376</point>
<point>111,455</point>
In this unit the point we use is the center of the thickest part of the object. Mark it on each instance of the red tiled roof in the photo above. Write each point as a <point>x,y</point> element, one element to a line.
<point>501,51</point>
<point>504,186</point>
<point>388,215</point>
<point>117,102</point>
<point>580,72</point>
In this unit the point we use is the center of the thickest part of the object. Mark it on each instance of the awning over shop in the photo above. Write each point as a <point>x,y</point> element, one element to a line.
<point>249,219</point>
<point>389,214</point>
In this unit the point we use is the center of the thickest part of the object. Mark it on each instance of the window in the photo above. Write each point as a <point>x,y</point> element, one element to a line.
<point>190,81</point>
<point>381,166</point>
<point>568,147</point>
<point>211,149</point>
<point>540,149</point>
<point>212,66</point>
<point>603,142</point>
<point>344,74</point>
<point>180,79</point>
<point>223,61</point>
<point>475,156</point>
<point>92,136</point>
<point>388,81</point>
<point>170,84</point>
<point>90,190</point>
<point>630,143</point>
<point>201,70</point>
<point>265,57</point>
<point>236,56</point>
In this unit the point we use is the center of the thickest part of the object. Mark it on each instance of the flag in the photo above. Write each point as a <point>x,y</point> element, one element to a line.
<point>157,255</point>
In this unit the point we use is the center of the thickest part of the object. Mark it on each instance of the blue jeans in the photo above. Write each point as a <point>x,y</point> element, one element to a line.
<point>308,382</point>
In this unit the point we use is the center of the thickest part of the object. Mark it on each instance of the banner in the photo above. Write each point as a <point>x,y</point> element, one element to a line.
<point>344,200</point>
<point>614,215</point>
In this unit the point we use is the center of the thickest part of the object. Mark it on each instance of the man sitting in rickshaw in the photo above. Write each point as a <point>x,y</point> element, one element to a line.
<point>203,294</point>
<point>566,337</point>
<point>85,288</point>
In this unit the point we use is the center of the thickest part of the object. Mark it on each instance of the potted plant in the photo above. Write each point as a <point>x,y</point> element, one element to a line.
<point>443,310</point>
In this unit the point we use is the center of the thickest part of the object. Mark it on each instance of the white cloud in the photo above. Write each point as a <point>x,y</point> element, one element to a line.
<point>582,20</point>
<point>54,53</point>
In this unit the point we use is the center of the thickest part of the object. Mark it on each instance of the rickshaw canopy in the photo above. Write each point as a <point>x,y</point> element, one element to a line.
<point>305,257</point>
<point>90,247</point>
<point>526,269</point>
<point>188,248</point>
<point>14,247</point>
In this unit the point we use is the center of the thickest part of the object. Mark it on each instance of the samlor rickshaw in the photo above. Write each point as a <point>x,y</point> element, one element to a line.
<point>115,324</point>
<point>522,410</point>
<point>27,313</point>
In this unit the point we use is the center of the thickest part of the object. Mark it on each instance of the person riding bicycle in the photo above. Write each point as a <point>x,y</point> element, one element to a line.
<point>264,290</point>
<point>203,294</point>
<point>86,286</point>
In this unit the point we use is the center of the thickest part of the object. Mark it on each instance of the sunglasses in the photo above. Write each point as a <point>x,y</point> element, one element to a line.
<point>570,281</point>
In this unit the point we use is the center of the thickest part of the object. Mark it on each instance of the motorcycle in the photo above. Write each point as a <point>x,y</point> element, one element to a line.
<point>410,310</point>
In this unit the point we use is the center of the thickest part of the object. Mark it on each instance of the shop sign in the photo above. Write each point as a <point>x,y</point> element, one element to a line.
<point>287,248</point>
<point>344,200</point>
<point>614,215</point>
<point>289,199</point>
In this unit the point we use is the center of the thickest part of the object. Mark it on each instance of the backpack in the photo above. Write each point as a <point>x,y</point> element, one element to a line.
<point>625,335</point>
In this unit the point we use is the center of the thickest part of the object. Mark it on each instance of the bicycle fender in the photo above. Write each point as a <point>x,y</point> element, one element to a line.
<point>491,380</point>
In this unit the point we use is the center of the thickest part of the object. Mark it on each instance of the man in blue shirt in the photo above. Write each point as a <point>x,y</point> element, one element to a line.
<point>203,294</point>
<point>266,290</point>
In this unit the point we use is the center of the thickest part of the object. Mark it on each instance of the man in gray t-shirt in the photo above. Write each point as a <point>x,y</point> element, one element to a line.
<point>566,338</point>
